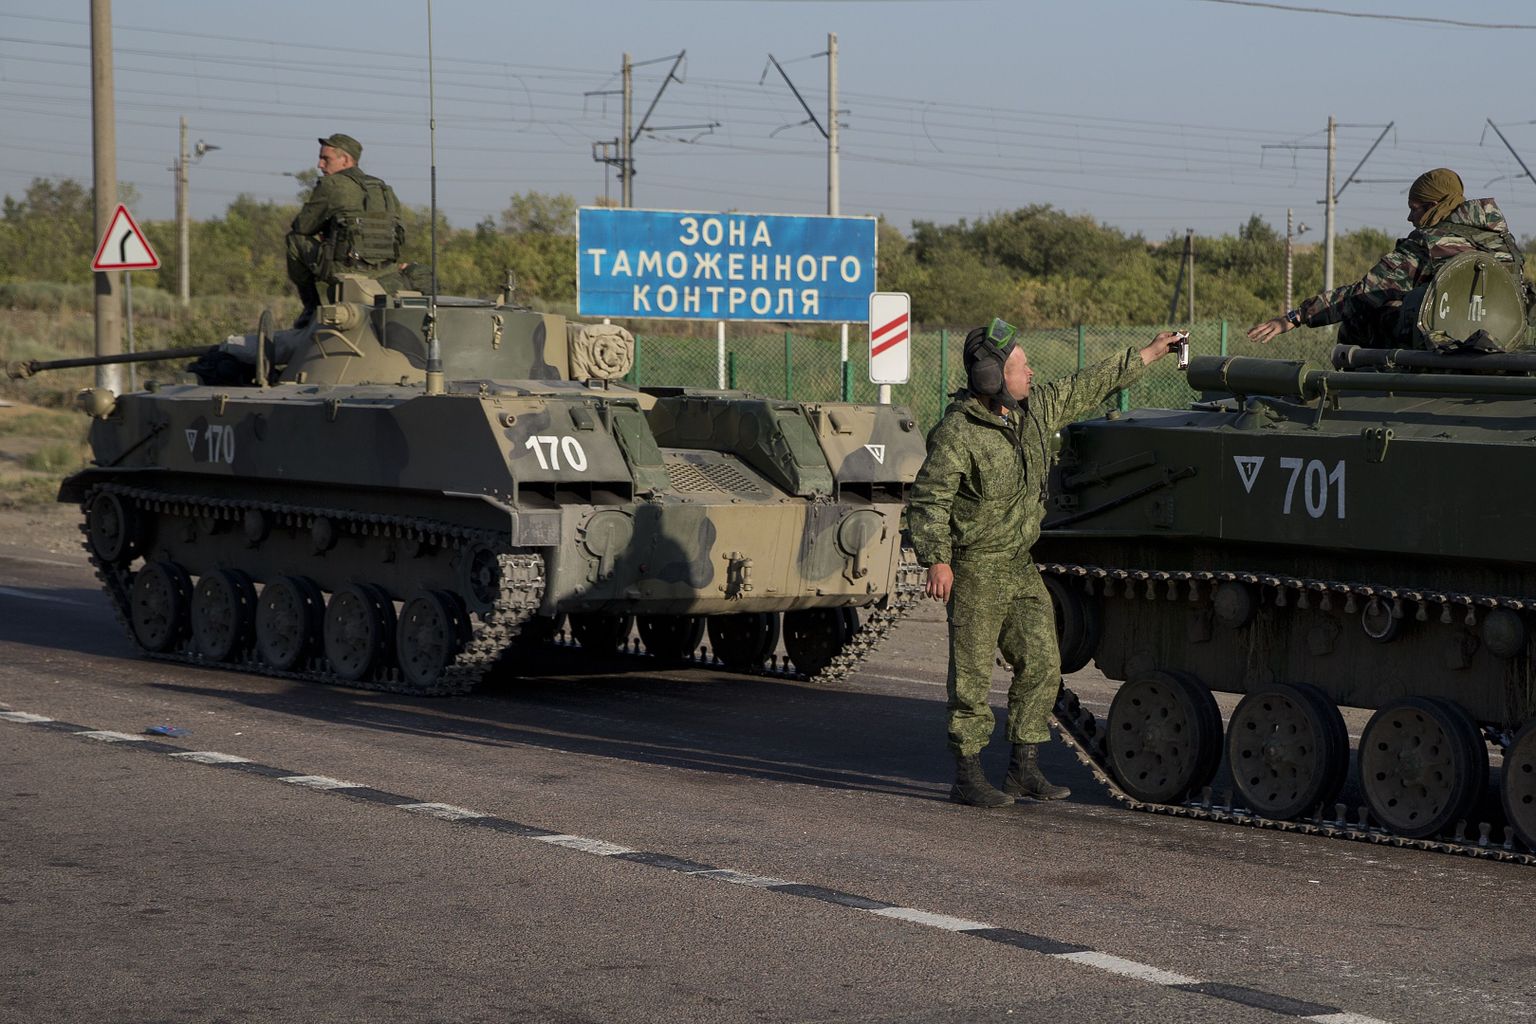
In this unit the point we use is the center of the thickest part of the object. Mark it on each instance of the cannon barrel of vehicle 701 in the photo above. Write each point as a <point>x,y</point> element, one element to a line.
<point>26,368</point>
<point>1284,378</point>
<point>1353,357</point>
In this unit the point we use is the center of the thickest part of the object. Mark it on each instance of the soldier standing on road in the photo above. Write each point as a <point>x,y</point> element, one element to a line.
<point>350,224</point>
<point>975,512</point>
<point>1446,224</point>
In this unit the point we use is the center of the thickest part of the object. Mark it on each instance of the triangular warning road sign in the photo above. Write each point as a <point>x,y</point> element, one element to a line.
<point>123,246</point>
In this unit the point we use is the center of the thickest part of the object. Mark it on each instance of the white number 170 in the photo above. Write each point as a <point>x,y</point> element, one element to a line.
<point>568,446</point>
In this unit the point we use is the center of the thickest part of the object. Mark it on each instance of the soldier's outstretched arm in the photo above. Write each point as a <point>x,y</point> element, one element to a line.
<point>1393,276</point>
<point>1071,398</point>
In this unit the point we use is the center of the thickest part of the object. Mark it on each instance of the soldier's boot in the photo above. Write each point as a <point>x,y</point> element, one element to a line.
<point>971,785</point>
<point>1025,777</point>
<point>309,295</point>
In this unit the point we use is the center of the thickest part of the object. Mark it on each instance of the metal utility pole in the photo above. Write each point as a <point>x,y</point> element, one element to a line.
<point>1331,202</point>
<point>1511,149</point>
<point>184,251</point>
<point>627,140</point>
<point>109,326</point>
<point>833,199</point>
<point>1331,196</point>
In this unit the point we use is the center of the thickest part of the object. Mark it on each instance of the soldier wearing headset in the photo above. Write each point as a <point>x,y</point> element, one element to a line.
<point>975,512</point>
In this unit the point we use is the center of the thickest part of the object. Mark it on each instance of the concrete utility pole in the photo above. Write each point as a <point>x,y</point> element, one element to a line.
<point>184,276</point>
<point>627,140</point>
<point>1290,233</point>
<point>834,202</point>
<point>109,325</point>
<point>1189,254</point>
<point>1328,209</point>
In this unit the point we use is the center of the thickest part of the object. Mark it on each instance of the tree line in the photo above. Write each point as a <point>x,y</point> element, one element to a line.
<point>1036,266</point>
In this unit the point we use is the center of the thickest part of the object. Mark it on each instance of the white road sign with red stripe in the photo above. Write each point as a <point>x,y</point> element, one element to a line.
<point>123,246</point>
<point>890,337</point>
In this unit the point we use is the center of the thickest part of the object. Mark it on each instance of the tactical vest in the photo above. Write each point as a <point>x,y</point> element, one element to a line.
<point>371,237</point>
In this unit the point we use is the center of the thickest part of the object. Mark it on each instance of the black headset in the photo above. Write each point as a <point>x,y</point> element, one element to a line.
<point>986,350</point>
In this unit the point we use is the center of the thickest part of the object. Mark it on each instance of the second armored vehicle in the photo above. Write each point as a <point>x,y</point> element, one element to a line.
<point>341,507</point>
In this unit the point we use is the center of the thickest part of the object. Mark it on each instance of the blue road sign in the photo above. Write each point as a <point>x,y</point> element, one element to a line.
<point>673,265</point>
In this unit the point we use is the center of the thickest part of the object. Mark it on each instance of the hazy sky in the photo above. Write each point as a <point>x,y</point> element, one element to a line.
<point>1148,114</point>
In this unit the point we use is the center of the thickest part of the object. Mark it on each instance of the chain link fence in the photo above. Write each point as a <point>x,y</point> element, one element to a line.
<point>809,369</point>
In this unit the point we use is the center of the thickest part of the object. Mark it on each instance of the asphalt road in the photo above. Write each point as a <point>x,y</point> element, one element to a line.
<point>619,842</point>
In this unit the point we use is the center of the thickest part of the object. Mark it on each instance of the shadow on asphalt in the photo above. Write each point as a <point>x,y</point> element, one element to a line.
<point>698,718</point>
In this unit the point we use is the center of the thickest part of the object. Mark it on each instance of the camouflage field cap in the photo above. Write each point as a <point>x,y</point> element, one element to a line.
<point>346,143</point>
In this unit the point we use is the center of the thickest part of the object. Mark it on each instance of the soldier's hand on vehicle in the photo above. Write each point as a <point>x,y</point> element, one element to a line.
<point>941,578</point>
<point>1161,346</point>
<point>1263,332</point>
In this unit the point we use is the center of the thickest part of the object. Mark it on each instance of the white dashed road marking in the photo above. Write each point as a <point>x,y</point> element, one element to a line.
<point>1284,1006</point>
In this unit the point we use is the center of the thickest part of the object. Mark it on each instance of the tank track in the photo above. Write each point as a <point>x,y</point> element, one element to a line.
<point>521,586</point>
<point>1085,736</point>
<point>876,623</point>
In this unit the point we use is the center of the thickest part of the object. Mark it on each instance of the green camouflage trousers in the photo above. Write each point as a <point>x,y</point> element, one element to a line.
<point>1000,603</point>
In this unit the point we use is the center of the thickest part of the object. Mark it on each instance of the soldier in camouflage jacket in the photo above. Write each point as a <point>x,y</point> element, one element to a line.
<point>1446,224</point>
<point>975,512</point>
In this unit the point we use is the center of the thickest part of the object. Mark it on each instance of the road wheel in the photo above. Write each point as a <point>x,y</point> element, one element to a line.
<point>359,630</point>
<point>1423,765</point>
<point>601,632</point>
<point>1164,737</point>
<point>429,636</point>
<point>673,637</point>
<point>289,614</point>
<point>1079,623</point>
<point>814,636</point>
<point>223,614</point>
<point>1519,789</point>
<point>157,605</point>
<point>1288,749</point>
<point>744,641</point>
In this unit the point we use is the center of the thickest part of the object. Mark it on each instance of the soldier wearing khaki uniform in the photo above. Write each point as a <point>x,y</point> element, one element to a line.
<point>350,224</point>
<point>975,512</point>
<point>1446,223</point>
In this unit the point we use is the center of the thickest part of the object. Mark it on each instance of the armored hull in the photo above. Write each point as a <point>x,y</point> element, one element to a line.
<point>1309,540</point>
<point>343,517</point>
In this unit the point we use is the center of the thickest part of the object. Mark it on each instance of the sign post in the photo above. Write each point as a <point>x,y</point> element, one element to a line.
<point>890,340</point>
<point>124,247</point>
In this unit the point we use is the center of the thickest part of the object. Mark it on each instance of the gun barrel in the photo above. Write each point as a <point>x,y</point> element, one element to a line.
<point>29,367</point>
<point>1353,357</point>
<point>1246,375</point>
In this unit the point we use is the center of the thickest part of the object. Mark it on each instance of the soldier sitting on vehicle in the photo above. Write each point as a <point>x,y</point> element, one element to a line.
<point>1446,224</point>
<point>349,225</point>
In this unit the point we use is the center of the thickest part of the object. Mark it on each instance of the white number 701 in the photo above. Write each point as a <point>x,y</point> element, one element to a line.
<point>1317,486</point>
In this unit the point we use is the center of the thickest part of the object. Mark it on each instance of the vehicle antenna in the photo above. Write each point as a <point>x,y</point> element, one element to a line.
<point>434,350</point>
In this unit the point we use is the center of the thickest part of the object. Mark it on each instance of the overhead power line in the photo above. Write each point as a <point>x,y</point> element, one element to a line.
<point>1371,16</point>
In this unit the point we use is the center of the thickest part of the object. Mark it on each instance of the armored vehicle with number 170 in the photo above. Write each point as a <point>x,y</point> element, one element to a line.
<point>390,496</point>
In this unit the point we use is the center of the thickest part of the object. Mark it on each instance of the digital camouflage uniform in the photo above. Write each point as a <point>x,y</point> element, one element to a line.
<point>316,254</point>
<point>1369,308</point>
<point>976,505</point>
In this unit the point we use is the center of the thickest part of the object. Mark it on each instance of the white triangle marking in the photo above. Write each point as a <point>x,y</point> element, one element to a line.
<point>1248,469</point>
<point>191,440</point>
<point>878,451</point>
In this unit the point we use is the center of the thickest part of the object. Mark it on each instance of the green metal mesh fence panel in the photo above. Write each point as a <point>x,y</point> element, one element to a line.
<point>809,369</point>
